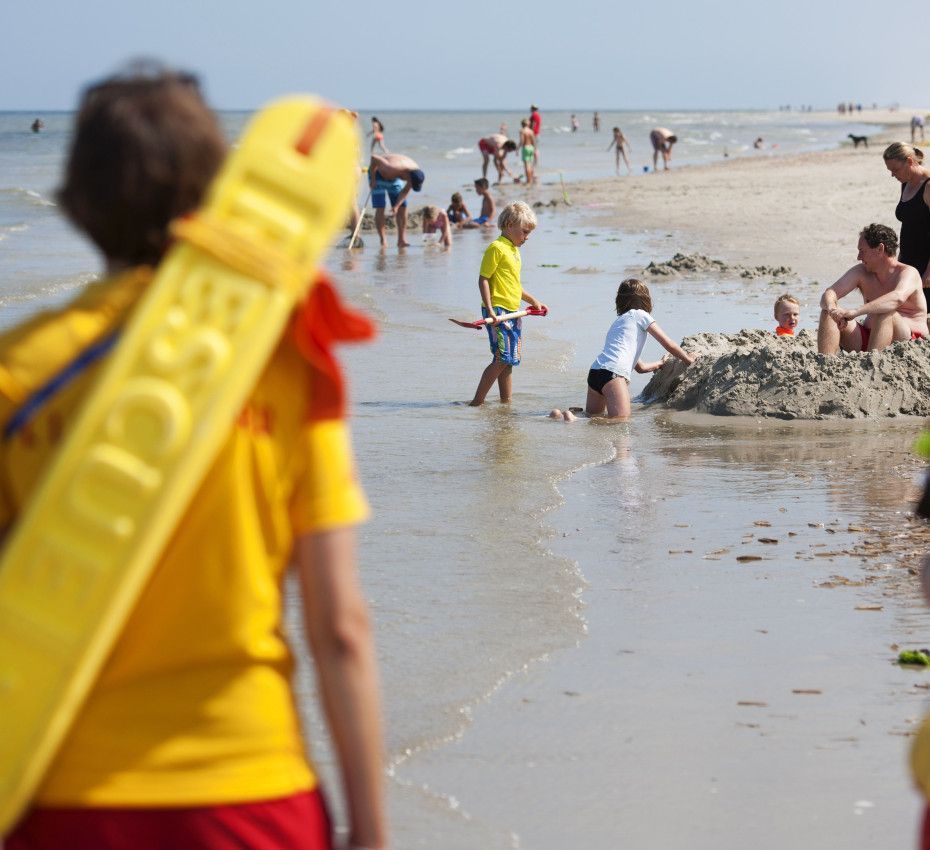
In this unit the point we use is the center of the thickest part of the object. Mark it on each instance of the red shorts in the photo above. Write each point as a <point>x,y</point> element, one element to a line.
<point>925,831</point>
<point>300,822</point>
<point>865,334</point>
<point>485,147</point>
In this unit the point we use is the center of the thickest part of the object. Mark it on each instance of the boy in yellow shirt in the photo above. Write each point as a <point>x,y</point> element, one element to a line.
<point>501,292</point>
<point>190,736</point>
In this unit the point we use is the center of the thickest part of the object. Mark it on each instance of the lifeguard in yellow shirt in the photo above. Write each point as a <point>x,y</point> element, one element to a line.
<point>190,736</point>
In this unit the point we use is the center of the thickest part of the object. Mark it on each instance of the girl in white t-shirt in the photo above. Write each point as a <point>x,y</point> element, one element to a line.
<point>609,376</point>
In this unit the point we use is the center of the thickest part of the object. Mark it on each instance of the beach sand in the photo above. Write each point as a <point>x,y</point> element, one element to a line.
<point>742,585</point>
<point>802,211</point>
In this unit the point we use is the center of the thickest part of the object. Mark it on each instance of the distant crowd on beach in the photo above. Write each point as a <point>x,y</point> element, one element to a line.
<point>392,176</point>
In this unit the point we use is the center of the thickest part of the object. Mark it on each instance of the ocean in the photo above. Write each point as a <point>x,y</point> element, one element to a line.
<point>570,652</point>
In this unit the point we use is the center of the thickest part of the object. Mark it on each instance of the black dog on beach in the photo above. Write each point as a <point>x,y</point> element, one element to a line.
<point>859,139</point>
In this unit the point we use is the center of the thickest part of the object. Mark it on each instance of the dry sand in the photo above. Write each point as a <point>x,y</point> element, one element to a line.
<point>804,212</point>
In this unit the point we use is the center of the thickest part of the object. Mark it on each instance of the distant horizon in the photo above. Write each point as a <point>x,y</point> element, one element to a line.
<point>889,107</point>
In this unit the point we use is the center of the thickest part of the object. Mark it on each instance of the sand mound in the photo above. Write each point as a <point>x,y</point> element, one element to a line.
<point>690,265</point>
<point>754,373</point>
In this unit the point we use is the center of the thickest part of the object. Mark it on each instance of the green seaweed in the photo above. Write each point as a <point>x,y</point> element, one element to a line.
<point>917,657</point>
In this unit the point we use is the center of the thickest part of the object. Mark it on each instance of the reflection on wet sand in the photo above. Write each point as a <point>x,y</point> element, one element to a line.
<point>867,470</point>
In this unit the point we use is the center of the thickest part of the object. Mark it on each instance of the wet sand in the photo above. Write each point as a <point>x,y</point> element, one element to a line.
<point>745,584</point>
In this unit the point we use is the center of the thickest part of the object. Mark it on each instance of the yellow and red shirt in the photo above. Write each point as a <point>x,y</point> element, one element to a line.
<point>194,705</point>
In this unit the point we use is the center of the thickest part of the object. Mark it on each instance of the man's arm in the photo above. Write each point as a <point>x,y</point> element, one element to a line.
<point>908,284</point>
<point>403,194</point>
<point>501,166</point>
<point>372,168</point>
<point>338,629</point>
<point>846,284</point>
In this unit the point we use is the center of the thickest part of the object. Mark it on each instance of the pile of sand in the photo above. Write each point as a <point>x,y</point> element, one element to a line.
<point>754,373</point>
<point>690,265</point>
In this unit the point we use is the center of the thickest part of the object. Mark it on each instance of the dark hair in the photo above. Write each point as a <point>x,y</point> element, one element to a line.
<point>633,294</point>
<point>145,148</point>
<point>376,120</point>
<point>509,145</point>
<point>879,234</point>
<point>482,183</point>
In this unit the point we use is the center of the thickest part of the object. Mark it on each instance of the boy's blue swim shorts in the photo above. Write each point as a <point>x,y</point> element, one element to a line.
<point>504,337</point>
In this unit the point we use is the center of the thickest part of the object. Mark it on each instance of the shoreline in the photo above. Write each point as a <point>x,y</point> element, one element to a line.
<point>756,209</point>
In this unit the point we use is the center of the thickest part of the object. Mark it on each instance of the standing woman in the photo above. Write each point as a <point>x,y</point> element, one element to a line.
<point>377,134</point>
<point>905,162</point>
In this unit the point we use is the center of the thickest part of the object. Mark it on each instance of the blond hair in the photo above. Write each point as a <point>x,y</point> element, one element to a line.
<point>517,213</point>
<point>785,299</point>
<point>429,213</point>
<point>903,151</point>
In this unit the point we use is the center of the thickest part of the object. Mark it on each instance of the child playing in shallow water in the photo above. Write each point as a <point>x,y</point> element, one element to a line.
<point>436,220</point>
<point>609,376</point>
<point>457,211</point>
<point>787,311</point>
<point>502,292</point>
<point>486,219</point>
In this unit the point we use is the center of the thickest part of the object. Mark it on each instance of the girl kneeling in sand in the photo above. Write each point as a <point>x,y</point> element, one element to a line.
<point>609,377</point>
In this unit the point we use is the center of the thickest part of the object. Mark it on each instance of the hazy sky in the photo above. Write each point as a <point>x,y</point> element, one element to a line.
<point>573,54</point>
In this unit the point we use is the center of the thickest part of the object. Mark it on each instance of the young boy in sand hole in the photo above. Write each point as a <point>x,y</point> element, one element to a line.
<point>787,314</point>
<point>609,376</point>
<point>501,292</point>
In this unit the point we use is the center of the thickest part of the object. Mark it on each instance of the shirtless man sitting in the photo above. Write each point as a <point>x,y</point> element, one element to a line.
<point>895,307</point>
<point>393,175</point>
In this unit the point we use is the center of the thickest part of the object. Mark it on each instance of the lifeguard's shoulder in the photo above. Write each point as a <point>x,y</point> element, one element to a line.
<point>32,352</point>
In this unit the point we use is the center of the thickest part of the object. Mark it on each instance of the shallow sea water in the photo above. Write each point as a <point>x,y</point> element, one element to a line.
<point>564,646</point>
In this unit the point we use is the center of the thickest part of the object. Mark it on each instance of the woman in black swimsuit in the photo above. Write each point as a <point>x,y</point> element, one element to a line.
<point>913,210</point>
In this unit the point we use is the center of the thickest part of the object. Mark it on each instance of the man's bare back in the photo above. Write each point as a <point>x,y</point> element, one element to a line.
<point>392,166</point>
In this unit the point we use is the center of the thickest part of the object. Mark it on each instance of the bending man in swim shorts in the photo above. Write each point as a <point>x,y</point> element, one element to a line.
<point>496,147</point>
<point>894,304</point>
<point>393,175</point>
<point>662,141</point>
